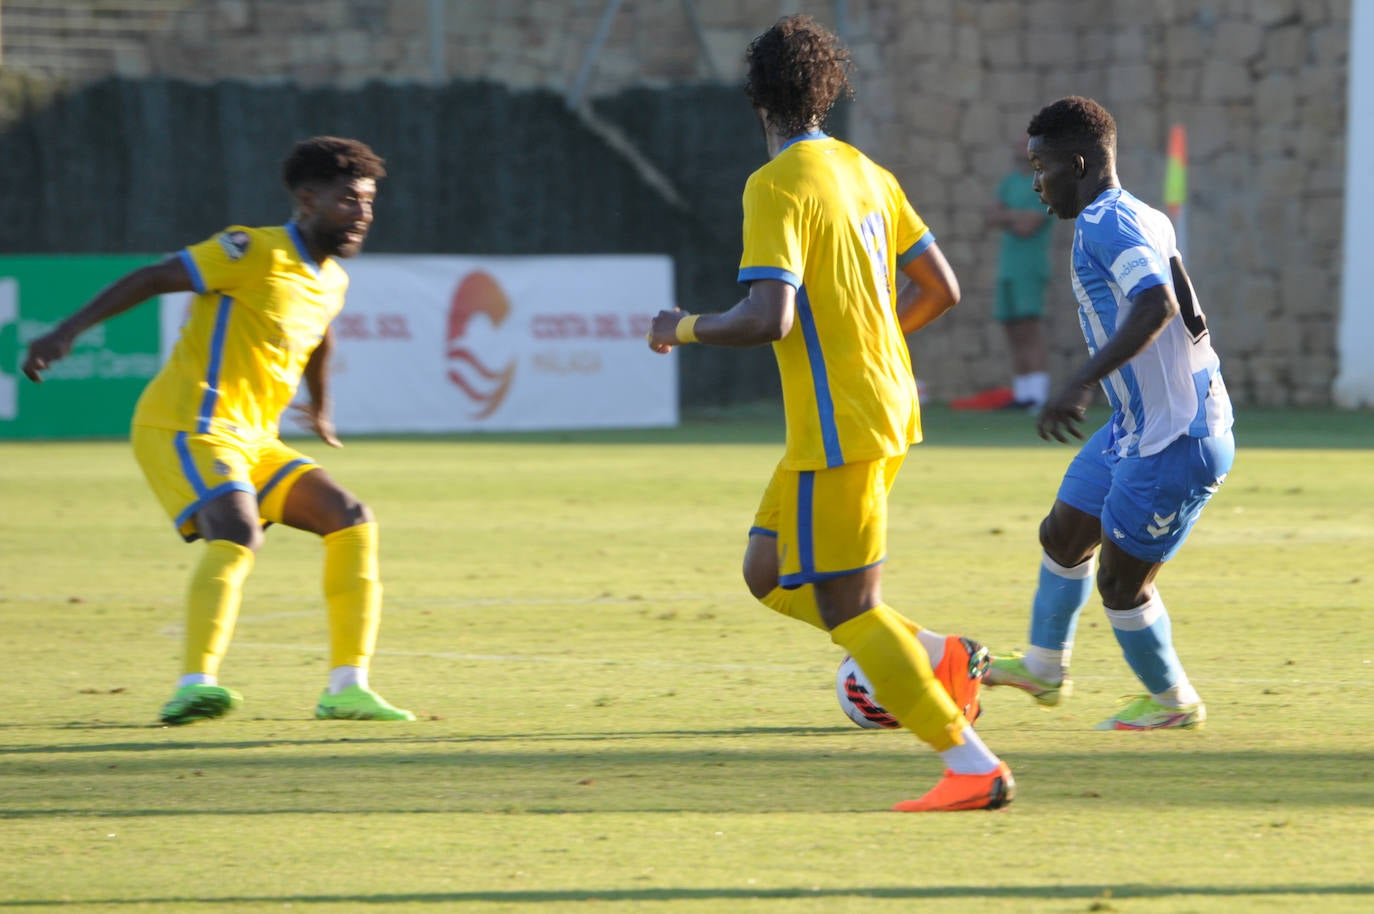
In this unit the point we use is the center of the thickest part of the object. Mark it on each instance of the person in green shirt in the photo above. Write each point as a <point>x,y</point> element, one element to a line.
<point>1022,271</point>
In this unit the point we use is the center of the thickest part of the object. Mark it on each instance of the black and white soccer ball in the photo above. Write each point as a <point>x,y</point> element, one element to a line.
<point>855,693</point>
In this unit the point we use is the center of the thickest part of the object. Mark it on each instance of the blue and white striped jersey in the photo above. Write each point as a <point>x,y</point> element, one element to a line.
<point>1173,387</point>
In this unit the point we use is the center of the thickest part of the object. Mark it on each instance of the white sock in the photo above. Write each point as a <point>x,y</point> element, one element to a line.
<point>1180,696</point>
<point>1037,387</point>
<point>1046,663</point>
<point>1020,391</point>
<point>934,644</point>
<point>341,677</point>
<point>971,758</point>
<point>197,679</point>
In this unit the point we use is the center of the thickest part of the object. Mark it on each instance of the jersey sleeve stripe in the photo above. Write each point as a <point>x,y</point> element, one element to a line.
<point>820,382</point>
<point>197,281</point>
<point>749,274</point>
<point>916,250</point>
<point>207,403</point>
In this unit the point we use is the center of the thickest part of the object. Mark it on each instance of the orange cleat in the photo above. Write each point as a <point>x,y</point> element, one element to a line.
<point>957,792</point>
<point>961,671</point>
<point>993,398</point>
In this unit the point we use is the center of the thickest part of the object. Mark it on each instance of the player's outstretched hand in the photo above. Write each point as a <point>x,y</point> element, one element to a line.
<point>314,419</point>
<point>48,348</point>
<point>1063,413</point>
<point>662,334</point>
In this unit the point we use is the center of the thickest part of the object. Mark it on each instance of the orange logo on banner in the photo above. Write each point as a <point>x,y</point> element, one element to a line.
<point>478,293</point>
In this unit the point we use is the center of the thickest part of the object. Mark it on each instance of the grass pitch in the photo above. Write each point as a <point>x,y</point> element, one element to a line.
<point>609,723</point>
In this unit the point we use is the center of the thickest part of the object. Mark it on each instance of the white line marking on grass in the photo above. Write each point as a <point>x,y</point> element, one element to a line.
<point>177,630</point>
<point>395,604</point>
<point>760,667</point>
<point>530,658</point>
<point>507,602</point>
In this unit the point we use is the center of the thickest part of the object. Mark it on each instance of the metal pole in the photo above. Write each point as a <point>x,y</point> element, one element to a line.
<point>584,74</point>
<point>438,71</point>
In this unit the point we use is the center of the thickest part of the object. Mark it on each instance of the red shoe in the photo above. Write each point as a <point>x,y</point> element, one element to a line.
<point>961,671</point>
<point>993,398</point>
<point>957,792</point>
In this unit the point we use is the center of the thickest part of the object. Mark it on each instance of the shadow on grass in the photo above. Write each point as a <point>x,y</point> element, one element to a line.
<point>712,771</point>
<point>171,745</point>
<point>553,896</point>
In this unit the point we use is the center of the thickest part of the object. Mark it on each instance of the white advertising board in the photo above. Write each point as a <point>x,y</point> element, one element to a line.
<point>430,343</point>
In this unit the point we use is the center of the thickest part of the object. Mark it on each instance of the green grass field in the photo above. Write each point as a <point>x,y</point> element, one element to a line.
<point>610,723</point>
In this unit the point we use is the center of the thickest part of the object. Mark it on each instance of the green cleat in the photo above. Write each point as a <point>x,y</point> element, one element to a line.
<point>1011,671</point>
<point>199,702</point>
<point>1142,712</point>
<point>357,703</point>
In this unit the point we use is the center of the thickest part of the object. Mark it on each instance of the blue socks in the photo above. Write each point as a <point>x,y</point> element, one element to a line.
<point>1061,595</point>
<point>1146,638</point>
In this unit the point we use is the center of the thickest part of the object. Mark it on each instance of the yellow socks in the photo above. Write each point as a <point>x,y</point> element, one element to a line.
<point>212,604</point>
<point>899,669</point>
<point>800,604</point>
<point>353,593</point>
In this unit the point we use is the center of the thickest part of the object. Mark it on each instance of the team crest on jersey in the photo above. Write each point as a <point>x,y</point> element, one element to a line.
<point>221,468</point>
<point>235,244</point>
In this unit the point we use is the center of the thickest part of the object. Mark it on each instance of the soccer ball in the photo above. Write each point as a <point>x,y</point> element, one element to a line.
<point>856,698</point>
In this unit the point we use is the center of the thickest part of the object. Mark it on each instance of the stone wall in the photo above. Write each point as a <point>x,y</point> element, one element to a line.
<point>1260,87</point>
<point>940,88</point>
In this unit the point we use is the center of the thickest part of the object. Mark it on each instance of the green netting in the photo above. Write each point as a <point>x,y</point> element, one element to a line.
<point>147,166</point>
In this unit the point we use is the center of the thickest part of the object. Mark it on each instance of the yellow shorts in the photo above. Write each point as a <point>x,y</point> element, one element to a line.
<point>829,523</point>
<point>187,470</point>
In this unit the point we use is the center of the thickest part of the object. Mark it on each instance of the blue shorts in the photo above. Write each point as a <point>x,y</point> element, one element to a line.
<point>1147,505</point>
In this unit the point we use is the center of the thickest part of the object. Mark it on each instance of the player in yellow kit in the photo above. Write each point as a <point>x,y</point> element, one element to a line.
<point>825,232</point>
<point>205,431</point>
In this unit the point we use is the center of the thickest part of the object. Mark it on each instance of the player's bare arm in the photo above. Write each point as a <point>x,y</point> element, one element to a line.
<point>1151,311</point>
<point>317,415</point>
<point>169,275</point>
<point>761,317</point>
<point>933,290</point>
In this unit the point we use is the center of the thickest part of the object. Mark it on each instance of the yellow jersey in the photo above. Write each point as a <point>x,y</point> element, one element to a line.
<point>824,218</point>
<point>262,305</point>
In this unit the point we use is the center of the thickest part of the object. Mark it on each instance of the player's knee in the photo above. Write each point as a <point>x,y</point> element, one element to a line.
<point>1054,544</point>
<point>237,530</point>
<point>761,566</point>
<point>1061,546</point>
<point>758,579</point>
<point>1119,592</point>
<point>353,512</point>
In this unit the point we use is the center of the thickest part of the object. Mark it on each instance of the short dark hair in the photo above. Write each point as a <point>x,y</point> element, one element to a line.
<point>797,71</point>
<point>1077,121</point>
<point>321,159</point>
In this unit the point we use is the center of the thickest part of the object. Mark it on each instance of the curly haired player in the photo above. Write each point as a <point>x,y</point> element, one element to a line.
<point>825,233</point>
<point>205,431</point>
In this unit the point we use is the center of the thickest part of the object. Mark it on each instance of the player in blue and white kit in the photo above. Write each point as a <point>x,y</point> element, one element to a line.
<point>1137,486</point>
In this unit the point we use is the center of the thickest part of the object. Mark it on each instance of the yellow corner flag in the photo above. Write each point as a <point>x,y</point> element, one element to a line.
<point>1176,183</point>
